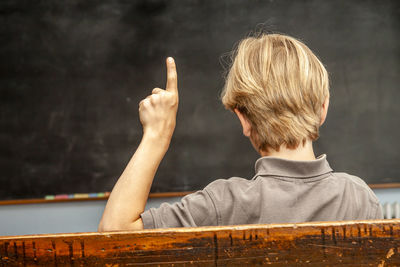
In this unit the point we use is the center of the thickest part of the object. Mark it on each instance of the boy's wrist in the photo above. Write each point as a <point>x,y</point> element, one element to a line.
<point>158,140</point>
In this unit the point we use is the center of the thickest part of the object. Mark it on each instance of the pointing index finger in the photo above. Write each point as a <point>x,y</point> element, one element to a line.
<point>172,77</point>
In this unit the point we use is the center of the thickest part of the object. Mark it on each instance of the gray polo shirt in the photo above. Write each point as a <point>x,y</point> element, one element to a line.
<point>282,191</point>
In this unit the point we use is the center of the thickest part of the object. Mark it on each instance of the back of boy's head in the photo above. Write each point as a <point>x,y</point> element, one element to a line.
<point>280,86</point>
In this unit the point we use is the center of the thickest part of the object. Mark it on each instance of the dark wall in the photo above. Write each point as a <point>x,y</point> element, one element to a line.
<point>73,73</point>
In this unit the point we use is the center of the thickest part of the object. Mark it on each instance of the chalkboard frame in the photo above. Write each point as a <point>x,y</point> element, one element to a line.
<point>79,137</point>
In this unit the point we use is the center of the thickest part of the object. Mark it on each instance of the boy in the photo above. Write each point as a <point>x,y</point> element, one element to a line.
<point>280,92</point>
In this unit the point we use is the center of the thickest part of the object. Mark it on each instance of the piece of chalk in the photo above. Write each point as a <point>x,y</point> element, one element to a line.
<point>101,194</point>
<point>93,195</point>
<point>49,197</point>
<point>81,195</point>
<point>62,196</point>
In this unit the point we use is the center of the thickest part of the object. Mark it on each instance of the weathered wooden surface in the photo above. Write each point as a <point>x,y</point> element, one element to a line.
<point>352,243</point>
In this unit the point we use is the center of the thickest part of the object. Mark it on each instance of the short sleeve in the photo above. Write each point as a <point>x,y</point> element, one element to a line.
<point>193,210</point>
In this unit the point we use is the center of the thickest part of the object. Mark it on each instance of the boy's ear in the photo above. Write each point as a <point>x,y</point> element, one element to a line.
<point>246,125</point>
<point>324,110</point>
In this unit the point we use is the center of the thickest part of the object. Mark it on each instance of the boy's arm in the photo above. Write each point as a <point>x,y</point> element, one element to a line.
<point>129,196</point>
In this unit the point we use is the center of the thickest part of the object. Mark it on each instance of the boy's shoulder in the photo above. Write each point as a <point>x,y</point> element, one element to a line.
<point>224,189</point>
<point>229,182</point>
<point>357,184</point>
<point>234,187</point>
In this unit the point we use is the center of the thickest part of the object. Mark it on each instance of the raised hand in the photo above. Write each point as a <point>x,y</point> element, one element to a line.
<point>157,112</point>
<point>158,116</point>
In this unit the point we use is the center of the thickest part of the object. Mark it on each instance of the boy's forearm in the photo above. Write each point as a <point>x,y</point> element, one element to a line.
<point>129,196</point>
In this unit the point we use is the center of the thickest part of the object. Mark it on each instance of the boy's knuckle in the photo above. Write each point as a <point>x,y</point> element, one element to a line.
<point>146,102</point>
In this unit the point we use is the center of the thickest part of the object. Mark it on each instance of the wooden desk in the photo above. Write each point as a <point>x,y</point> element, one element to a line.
<point>351,243</point>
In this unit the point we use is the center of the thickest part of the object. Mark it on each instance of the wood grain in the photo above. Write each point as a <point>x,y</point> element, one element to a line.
<point>352,243</point>
<point>384,186</point>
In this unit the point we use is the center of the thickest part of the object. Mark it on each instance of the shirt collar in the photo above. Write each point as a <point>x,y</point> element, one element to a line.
<point>272,166</point>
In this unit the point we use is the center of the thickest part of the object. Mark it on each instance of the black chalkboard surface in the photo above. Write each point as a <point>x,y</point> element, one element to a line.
<point>73,73</point>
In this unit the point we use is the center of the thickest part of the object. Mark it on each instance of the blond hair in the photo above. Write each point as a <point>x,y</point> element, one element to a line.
<point>280,86</point>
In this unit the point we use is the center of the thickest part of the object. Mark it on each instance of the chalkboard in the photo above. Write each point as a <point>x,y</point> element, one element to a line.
<point>73,73</point>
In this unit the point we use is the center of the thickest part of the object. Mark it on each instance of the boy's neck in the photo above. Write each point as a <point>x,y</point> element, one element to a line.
<point>302,152</point>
